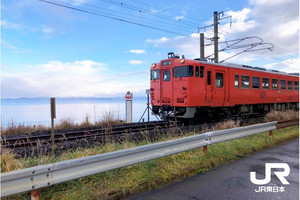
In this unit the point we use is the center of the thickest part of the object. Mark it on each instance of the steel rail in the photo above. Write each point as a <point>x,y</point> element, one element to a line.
<point>114,134</point>
<point>71,136</point>
<point>33,178</point>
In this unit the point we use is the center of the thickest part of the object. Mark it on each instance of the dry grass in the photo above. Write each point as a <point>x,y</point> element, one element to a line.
<point>108,119</point>
<point>66,123</point>
<point>281,115</point>
<point>226,125</point>
<point>21,128</point>
<point>120,183</point>
<point>8,161</point>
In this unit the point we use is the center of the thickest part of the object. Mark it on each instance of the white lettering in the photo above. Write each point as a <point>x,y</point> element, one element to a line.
<point>268,167</point>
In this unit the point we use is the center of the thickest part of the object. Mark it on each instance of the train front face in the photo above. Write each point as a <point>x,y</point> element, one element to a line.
<point>170,80</point>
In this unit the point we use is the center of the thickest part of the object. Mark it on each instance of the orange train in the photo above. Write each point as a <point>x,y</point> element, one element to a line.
<point>196,89</point>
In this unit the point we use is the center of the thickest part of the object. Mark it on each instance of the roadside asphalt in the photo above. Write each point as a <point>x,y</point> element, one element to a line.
<point>232,180</point>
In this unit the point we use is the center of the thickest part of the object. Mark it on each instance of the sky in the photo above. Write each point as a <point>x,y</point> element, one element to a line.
<point>104,48</point>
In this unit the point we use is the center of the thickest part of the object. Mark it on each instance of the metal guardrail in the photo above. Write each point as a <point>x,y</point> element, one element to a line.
<point>287,123</point>
<point>33,178</point>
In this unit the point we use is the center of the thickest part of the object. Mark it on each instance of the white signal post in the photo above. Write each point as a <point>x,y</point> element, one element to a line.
<point>128,107</point>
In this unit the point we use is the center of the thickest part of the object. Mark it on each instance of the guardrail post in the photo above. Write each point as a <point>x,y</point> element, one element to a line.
<point>271,134</point>
<point>19,181</point>
<point>36,194</point>
<point>204,149</point>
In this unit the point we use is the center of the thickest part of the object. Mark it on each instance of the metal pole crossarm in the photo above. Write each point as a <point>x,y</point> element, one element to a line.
<point>33,178</point>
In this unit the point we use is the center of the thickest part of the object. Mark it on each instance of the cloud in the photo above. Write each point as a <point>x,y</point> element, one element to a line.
<point>137,51</point>
<point>177,18</point>
<point>84,78</point>
<point>289,65</point>
<point>274,21</point>
<point>186,45</point>
<point>78,2</point>
<point>25,28</point>
<point>47,30</point>
<point>12,25</point>
<point>135,62</point>
<point>14,49</point>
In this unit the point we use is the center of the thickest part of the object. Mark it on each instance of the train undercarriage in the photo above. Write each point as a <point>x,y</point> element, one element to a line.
<point>211,114</point>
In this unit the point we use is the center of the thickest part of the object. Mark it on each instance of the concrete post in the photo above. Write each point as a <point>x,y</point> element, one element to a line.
<point>128,107</point>
<point>53,116</point>
<point>216,38</point>
<point>202,56</point>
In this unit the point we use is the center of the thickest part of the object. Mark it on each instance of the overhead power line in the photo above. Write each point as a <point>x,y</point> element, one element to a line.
<point>162,22</point>
<point>110,17</point>
<point>174,29</point>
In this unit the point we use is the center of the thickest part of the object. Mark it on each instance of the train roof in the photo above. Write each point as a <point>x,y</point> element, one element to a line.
<point>247,67</point>
<point>171,55</point>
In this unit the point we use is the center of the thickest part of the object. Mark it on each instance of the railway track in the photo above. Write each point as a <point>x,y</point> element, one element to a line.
<point>33,145</point>
<point>102,132</point>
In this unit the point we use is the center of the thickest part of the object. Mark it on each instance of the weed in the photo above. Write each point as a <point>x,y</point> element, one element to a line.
<point>281,115</point>
<point>121,183</point>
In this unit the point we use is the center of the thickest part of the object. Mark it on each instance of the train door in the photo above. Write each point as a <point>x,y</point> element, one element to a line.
<point>219,88</point>
<point>208,92</point>
<point>166,87</point>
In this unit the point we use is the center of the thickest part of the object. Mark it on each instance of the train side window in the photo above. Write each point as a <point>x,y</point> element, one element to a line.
<point>274,84</point>
<point>290,85</point>
<point>197,71</point>
<point>191,71</point>
<point>154,74</point>
<point>236,81</point>
<point>167,75</point>
<point>246,82</point>
<point>282,84</point>
<point>219,80</point>
<point>255,82</point>
<point>296,85</point>
<point>265,83</point>
<point>208,77</point>
<point>201,72</point>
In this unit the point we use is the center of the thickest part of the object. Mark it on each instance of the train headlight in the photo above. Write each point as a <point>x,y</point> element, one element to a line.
<point>153,65</point>
<point>181,61</point>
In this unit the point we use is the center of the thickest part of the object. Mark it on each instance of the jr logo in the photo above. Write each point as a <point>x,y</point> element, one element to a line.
<point>280,175</point>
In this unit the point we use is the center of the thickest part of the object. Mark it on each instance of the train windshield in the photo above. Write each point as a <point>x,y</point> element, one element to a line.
<point>154,74</point>
<point>183,71</point>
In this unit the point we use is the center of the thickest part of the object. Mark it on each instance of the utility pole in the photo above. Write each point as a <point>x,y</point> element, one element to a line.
<point>216,38</point>
<point>202,46</point>
<point>217,18</point>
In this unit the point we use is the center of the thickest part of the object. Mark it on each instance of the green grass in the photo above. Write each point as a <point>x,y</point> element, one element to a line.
<point>121,183</point>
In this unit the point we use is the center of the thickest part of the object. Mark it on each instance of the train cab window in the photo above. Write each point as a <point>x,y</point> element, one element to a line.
<point>208,77</point>
<point>219,80</point>
<point>201,72</point>
<point>274,84</point>
<point>246,82</point>
<point>290,85</point>
<point>265,83</point>
<point>197,71</point>
<point>183,71</point>
<point>167,75</point>
<point>296,85</point>
<point>154,74</point>
<point>255,82</point>
<point>236,81</point>
<point>282,84</point>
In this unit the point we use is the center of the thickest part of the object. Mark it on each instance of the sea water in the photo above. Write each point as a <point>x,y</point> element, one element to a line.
<point>36,111</point>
